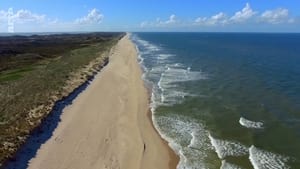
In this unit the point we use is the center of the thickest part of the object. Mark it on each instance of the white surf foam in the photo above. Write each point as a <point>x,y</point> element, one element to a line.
<point>140,59</point>
<point>178,73</point>
<point>187,138</point>
<point>193,140</point>
<point>261,159</point>
<point>145,44</point>
<point>164,56</point>
<point>227,165</point>
<point>157,70</point>
<point>174,97</point>
<point>155,98</point>
<point>141,62</point>
<point>226,148</point>
<point>251,124</point>
<point>168,83</point>
<point>149,46</point>
<point>166,74</point>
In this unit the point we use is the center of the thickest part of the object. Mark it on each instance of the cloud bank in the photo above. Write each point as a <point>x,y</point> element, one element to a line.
<point>218,19</point>
<point>246,15</point>
<point>172,20</point>
<point>21,16</point>
<point>38,22</point>
<point>276,16</point>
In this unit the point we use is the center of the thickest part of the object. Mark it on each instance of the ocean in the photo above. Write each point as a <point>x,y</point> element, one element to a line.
<point>225,100</point>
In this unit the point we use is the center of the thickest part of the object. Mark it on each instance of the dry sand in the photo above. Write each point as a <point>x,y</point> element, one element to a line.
<point>107,125</point>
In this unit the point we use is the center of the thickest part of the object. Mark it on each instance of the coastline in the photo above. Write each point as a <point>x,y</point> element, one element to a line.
<point>108,124</point>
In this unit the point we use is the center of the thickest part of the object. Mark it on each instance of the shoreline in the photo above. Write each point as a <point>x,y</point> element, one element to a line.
<point>109,124</point>
<point>174,158</point>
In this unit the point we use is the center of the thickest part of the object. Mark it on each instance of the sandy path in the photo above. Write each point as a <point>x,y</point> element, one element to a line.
<point>107,125</point>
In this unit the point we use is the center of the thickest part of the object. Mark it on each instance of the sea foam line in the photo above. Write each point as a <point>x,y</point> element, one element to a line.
<point>251,124</point>
<point>226,165</point>
<point>261,159</point>
<point>187,138</point>
<point>226,148</point>
<point>153,104</point>
<point>193,140</point>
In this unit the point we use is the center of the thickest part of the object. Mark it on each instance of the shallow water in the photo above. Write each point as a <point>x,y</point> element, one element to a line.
<point>225,100</point>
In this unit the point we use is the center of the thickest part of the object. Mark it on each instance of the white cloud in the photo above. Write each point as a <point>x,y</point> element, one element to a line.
<point>246,16</point>
<point>172,19</point>
<point>144,24</point>
<point>53,22</point>
<point>3,15</point>
<point>220,18</point>
<point>93,17</point>
<point>200,19</point>
<point>276,16</point>
<point>26,20</point>
<point>22,16</point>
<point>243,15</point>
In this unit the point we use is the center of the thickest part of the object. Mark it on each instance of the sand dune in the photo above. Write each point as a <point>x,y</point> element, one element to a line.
<point>107,125</point>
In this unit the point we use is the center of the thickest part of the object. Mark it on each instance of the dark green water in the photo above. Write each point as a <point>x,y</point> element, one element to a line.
<point>226,100</point>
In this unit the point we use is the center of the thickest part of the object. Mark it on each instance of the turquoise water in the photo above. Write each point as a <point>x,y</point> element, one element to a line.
<point>225,100</point>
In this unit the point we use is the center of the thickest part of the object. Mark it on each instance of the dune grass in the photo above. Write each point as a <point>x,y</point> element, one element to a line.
<point>37,82</point>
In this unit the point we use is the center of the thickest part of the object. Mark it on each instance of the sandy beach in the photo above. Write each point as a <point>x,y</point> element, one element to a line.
<point>108,125</point>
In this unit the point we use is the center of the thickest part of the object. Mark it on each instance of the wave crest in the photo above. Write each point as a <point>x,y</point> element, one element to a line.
<point>251,124</point>
<point>261,159</point>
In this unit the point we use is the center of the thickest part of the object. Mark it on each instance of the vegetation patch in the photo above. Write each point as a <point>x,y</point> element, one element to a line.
<point>37,71</point>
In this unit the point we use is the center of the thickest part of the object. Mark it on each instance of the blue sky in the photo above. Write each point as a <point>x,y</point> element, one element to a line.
<point>152,15</point>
